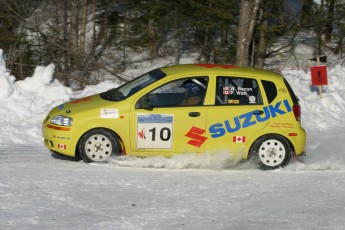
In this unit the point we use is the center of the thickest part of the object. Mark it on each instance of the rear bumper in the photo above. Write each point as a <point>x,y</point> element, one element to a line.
<point>298,141</point>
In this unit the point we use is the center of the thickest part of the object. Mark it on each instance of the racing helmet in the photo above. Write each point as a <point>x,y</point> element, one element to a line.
<point>192,88</point>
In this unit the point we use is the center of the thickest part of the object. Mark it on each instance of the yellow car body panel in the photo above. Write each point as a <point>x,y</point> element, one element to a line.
<point>171,130</point>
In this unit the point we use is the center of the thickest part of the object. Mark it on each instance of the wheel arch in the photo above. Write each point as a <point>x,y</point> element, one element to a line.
<point>121,142</point>
<point>250,149</point>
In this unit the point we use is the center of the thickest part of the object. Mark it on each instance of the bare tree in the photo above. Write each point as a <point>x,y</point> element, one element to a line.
<point>247,21</point>
<point>74,31</point>
<point>83,25</point>
<point>330,20</point>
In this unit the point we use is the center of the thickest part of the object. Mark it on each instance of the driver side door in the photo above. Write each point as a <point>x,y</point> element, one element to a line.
<point>161,124</point>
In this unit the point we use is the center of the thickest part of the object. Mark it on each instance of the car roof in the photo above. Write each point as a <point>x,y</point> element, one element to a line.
<point>221,69</point>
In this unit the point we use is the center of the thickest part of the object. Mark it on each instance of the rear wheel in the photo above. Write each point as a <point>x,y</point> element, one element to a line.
<point>98,145</point>
<point>271,152</point>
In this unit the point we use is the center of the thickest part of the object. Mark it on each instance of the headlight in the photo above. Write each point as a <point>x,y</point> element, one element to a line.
<point>61,120</point>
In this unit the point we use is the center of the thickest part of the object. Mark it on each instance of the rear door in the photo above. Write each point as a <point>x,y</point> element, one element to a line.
<point>238,113</point>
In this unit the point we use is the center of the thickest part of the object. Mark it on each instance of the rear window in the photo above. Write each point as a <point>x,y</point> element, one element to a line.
<point>270,90</point>
<point>292,94</point>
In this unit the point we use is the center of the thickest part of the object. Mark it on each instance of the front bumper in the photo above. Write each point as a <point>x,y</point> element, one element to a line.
<point>59,139</point>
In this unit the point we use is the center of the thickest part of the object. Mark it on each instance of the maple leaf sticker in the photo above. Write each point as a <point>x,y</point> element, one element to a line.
<point>142,134</point>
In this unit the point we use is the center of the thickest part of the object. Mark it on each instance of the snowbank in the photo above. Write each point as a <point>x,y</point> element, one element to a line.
<point>24,104</point>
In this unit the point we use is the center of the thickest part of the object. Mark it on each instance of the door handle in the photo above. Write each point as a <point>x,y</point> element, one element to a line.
<point>194,114</point>
<point>258,112</point>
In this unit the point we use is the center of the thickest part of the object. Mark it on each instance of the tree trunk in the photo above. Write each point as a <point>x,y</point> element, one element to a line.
<point>83,25</point>
<point>93,42</point>
<point>330,18</point>
<point>177,38</point>
<point>124,46</point>
<point>261,50</point>
<point>306,12</point>
<point>247,21</point>
<point>74,31</point>
<point>66,56</point>
<point>152,36</point>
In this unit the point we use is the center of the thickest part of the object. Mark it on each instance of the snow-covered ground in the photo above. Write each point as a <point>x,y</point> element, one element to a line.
<point>39,190</point>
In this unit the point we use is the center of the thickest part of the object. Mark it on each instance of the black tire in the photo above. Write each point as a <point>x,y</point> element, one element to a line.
<point>271,152</point>
<point>98,145</point>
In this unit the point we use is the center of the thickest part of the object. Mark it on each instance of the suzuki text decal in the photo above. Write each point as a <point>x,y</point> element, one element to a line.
<point>196,134</point>
<point>154,131</point>
<point>248,119</point>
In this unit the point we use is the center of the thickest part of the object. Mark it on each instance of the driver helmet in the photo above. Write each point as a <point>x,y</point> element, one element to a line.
<point>191,88</point>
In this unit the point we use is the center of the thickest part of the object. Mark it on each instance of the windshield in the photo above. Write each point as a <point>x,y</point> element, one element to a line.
<point>133,86</point>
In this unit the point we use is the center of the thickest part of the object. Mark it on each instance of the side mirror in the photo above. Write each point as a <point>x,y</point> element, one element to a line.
<point>146,104</point>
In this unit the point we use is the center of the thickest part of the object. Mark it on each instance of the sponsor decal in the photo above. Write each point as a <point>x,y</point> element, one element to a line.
<point>239,139</point>
<point>252,100</point>
<point>216,65</point>
<point>155,131</point>
<point>61,146</point>
<point>109,113</point>
<point>233,101</point>
<point>280,125</point>
<point>195,134</point>
<point>249,119</point>
<point>61,138</point>
<point>81,100</point>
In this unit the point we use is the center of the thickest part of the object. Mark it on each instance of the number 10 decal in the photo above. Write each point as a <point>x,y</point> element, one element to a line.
<point>154,131</point>
<point>164,134</point>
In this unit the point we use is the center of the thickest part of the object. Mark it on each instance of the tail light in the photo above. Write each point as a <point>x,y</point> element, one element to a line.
<point>297,111</point>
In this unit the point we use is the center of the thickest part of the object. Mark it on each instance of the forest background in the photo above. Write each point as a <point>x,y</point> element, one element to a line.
<point>90,39</point>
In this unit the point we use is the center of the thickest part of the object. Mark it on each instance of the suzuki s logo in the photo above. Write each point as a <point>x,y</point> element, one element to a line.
<point>196,134</point>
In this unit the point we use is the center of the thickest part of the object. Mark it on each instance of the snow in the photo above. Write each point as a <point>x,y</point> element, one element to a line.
<point>40,190</point>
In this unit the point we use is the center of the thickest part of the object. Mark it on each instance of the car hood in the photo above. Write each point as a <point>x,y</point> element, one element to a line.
<point>79,105</point>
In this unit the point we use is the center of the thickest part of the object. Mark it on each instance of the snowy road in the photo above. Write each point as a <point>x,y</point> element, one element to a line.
<point>43,191</point>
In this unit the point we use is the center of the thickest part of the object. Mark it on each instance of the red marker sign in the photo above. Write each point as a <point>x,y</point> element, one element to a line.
<point>318,75</point>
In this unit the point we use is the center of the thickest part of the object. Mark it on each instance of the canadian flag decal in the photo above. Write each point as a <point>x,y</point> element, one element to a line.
<point>239,139</point>
<point>60,146</point>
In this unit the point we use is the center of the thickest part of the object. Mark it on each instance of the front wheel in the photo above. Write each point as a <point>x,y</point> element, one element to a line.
<point>271,152</point>
<point>98,145</point>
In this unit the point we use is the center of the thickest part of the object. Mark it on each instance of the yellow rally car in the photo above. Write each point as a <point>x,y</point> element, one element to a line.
<point>192,108</point>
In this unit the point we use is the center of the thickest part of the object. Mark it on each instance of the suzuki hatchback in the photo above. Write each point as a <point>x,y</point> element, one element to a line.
<point>194,108</point>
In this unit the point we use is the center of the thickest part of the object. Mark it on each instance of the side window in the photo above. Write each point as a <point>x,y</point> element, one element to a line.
<point>182,92</point>
<point>270,90</point>
<point>237,91</point>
